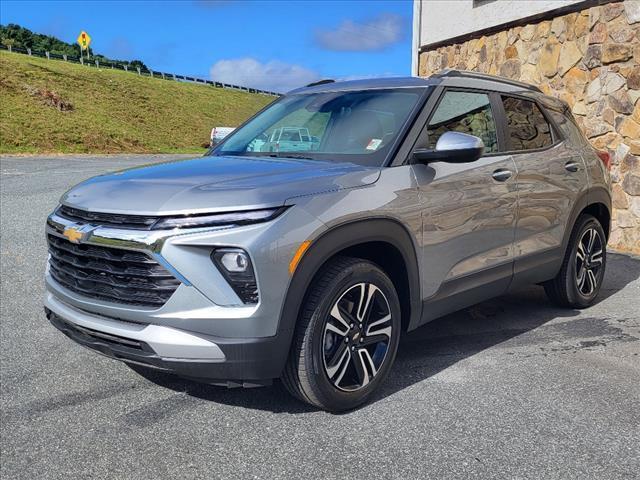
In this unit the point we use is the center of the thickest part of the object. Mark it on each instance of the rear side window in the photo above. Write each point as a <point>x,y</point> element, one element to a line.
<point>527,128</point>
<point>466,112</point>
<point>568,126</point>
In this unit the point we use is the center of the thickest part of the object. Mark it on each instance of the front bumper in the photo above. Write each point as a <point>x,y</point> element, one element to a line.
<point>204,303</point>
<point>203,331</point>
<point>219,361</point>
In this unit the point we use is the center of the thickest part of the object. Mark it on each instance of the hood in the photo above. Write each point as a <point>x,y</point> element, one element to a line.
<point>211,183</point>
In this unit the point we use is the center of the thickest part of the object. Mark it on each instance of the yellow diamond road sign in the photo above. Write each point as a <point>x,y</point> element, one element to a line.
<point>84,40</point>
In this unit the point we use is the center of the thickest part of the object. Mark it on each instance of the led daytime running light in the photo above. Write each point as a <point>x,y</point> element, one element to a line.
<point>217,219</point>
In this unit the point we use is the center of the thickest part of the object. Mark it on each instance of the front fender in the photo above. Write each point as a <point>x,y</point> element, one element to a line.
<point>339,238</point>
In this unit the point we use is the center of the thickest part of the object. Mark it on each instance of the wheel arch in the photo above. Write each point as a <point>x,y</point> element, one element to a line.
<point>596,202</point>
<point>601,212</point>
<point>363,239</point>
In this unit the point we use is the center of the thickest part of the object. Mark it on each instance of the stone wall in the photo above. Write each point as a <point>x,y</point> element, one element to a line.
<point>590,59</point>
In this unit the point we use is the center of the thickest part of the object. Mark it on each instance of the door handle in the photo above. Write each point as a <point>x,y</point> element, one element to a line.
<point>502,175</point>
<point>572,166</point>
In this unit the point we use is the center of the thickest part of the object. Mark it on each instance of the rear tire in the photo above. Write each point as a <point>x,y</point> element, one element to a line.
<point>346,337</point>
<point>578,283</point>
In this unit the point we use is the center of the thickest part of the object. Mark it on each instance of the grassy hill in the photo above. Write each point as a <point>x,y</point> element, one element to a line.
<point>49,106</point>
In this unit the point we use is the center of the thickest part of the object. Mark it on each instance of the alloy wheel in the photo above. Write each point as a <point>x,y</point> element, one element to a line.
<point>589,255</point>
<point>357,335</point>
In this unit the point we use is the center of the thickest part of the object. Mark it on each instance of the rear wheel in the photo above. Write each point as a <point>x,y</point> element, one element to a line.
<point>580,278</point>
<point>347,336</point>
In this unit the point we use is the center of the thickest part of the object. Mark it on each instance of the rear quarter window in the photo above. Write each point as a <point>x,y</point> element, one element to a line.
<point>568,127</point>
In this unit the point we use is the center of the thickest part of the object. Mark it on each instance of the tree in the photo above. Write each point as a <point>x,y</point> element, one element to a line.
<point>8,42</point>
<point>23,38</point>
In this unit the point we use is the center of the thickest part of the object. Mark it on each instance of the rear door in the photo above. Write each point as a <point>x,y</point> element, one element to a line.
<point>551,175</point>
<point>469,209</point>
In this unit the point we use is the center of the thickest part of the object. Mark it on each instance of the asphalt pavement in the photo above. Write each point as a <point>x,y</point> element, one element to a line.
<point>511,388</point>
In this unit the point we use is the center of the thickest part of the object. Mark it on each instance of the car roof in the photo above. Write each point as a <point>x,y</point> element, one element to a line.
<point>451,78</point>
<point>366,84</point>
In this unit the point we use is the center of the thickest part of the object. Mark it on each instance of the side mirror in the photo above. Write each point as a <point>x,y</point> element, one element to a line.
<point>452,147</point>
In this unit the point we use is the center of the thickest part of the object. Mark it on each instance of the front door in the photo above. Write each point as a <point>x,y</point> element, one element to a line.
<point>469,209</point>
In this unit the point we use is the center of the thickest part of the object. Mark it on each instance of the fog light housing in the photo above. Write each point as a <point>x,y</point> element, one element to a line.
<point>235,262</point>
<point>235,265</point>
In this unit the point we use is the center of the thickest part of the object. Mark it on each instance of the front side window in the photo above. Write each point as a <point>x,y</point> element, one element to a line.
<point>466,112</point>
<point>527,128</point>
<point>353,126</point>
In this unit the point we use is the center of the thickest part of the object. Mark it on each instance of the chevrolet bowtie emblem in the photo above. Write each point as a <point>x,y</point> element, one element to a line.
<point>73,234</point>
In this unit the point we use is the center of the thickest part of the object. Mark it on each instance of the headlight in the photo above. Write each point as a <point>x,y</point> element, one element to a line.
<point>235,266</point>
<point>218,219</point>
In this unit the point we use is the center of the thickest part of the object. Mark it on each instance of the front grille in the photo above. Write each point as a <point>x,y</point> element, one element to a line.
<point>110,274</point>
<point>138,222</point>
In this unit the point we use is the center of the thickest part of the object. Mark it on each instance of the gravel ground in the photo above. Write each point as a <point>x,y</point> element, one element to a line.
<point>511,388</point>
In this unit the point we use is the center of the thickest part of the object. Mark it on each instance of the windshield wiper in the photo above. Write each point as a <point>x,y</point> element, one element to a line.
<point>289,155</point>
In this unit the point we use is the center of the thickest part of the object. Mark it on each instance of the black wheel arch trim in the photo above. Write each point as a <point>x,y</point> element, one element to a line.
<point>593,196</point>
<point>338,238</point>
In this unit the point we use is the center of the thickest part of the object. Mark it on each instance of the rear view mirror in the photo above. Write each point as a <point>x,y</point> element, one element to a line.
<point>452,147</point>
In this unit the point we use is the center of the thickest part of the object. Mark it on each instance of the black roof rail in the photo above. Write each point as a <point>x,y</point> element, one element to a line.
<point>484,76</point>
<point>321,82</point>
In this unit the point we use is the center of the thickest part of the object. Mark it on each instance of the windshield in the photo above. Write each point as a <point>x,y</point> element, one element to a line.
<point>354,126</point>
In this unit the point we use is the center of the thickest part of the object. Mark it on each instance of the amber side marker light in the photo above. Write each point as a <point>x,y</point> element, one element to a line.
<point>293,264</point>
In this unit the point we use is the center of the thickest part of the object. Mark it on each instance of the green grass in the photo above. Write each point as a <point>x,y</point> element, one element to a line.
<point>109,111</point>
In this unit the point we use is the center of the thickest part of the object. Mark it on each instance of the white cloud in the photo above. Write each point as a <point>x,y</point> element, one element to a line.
<point>376,34</point>
<point>273,75</point>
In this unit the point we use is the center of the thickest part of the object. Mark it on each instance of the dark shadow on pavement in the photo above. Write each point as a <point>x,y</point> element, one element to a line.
<point>432,348</point>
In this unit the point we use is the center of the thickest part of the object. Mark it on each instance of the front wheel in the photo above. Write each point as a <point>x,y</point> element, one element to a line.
<point>347,336</point>
<point>580,278</point>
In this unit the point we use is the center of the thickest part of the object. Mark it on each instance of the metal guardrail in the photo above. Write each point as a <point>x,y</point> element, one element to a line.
<point>137,70</point>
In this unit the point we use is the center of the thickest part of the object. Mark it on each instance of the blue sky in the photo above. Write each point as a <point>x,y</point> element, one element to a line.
<point>275,45</point>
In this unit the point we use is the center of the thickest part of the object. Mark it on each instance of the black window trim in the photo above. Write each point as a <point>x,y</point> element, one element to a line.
<point>417,131</point>
<point>405,132</point>
<point>402,154</point>
<point>494,112</point>
<point>556,134</point>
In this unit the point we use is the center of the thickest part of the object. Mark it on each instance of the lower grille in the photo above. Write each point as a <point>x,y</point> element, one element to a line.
<point>95,336</point>
<point>111,345</point>
<point>110,274</point>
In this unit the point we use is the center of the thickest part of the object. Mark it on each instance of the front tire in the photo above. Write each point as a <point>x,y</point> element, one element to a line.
<point>578,283</point>
<point>347,336</point>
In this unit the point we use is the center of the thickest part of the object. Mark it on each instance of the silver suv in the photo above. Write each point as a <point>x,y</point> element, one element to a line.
<point>420,197</point>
